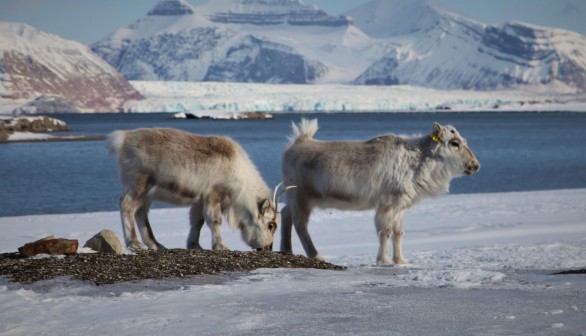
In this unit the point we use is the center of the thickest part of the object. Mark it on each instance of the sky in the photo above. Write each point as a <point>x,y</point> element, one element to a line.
<point>87,21</point>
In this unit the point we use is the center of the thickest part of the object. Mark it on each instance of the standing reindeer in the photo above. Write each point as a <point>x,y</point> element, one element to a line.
<point>213,174</point>
<point>389,173</point>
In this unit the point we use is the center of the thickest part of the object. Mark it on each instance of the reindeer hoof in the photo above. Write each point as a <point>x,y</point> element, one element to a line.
<point>400,261</point>
<point>383,261</point>
<point>136,247</point>
<point>318,258</point>
<point>286,250</point>
<point>220,247</point>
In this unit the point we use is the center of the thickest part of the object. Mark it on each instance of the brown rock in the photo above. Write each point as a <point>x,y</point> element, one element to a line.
<point>4,132</point>
<point>105,241</point>
<point>49,245</point>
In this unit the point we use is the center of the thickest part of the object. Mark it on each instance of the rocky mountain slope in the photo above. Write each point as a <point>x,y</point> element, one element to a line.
<point>277,41</point>
<point>442,50</point>
<point>43,67</point>
<point>383,42</point>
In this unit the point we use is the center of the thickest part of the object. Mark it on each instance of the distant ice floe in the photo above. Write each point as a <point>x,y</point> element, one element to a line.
<point>223,115</point>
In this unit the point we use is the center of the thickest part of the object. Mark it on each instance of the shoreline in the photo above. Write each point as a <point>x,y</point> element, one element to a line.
<point>52,138</point>
<point>171,209</point>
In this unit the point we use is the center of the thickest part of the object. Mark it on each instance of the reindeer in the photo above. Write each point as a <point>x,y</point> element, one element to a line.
<point>389,173</point>
<point>212,174</point>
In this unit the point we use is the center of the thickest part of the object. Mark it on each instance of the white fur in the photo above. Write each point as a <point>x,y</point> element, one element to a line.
<point>389,173</point>
<point>180,168</point>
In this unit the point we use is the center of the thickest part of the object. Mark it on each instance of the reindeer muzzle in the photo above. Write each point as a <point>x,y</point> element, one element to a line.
<point>472,168</point>
<point>266,248</point>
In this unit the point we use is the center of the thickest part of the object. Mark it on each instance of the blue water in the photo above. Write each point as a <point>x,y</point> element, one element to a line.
<point>518,152</point>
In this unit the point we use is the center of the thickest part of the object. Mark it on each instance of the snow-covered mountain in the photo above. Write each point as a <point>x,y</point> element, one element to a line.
<point>383,42</point>
<point>35,64</point>
<point>275,41</point>
<point>440,49</point>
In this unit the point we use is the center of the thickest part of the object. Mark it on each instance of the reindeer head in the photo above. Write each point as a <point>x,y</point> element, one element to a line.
<point>260,236</point>
<point>258,229</point>
<point>452,147</point>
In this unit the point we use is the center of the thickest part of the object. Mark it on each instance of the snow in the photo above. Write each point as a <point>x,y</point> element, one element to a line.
<point>238,97</point>
<point>21,136</point>
<point>60,56</point>
<point>432,47</point>
<point>479,264</point>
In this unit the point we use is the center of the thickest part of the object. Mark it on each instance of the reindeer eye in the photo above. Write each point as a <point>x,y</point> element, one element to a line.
<point>272,226</point>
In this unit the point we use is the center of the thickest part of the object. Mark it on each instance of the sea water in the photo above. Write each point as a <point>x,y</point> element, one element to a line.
<point>518,152</point>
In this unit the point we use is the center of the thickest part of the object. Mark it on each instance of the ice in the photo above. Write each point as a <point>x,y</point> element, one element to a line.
<point>176,97</point>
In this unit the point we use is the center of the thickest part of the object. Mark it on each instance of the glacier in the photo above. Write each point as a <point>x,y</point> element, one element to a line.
<point>174,97</point>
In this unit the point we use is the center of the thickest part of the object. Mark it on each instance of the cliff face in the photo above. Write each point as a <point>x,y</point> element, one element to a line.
<point>34,63</point>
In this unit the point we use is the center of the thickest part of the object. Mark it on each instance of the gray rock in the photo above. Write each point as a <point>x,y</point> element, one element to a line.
<point>105,241</point>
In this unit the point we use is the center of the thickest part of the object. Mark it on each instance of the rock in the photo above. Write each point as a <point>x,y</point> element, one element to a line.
<point>223,115</point>
<point>105,242</point>
<point>256,115</point>
<point>32,124</point>
<point>49,245</point>
<point>4,132</point>
<point>35,124</point>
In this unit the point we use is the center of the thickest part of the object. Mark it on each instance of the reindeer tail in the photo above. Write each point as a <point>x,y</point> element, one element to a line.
<point>304,131</point>
<point>115,141</point>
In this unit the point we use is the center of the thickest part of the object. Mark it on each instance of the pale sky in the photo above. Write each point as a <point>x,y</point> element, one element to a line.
<point>89,20</point>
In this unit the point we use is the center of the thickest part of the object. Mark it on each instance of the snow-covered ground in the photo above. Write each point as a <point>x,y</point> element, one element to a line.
<point>195,96</point>
<point>479,265</point>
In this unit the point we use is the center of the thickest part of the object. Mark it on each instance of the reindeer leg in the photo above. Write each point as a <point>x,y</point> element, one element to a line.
<point>144,227</point>
<point>196,220</point>
<point>128,207</point>
<point>213,217</point>
<point>398,239</point>
<point>300,220</point>
<point>382,221</point>
<point>286,226</point>
<point>132,200</point>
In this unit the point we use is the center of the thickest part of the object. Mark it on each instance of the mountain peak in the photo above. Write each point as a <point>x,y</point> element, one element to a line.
<point>270,12</point>
<point>34,63</point>
<point>385,18</point>
<point>171,8</point>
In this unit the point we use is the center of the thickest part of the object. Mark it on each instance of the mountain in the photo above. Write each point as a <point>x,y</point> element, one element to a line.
<point>384,42</point>
<point>265,41</point>
<point>268,13</point>
<point>439,49</point>
<point>34,64</point>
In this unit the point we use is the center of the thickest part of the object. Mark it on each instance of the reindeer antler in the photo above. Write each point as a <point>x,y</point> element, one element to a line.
<point>277,195</point>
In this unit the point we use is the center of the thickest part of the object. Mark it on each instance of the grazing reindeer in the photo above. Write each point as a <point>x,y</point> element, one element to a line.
<point>213,174</point>
<point>388,173</point>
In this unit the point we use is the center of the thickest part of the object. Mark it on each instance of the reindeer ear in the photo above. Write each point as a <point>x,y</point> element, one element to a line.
<point>437,133</point>
<point>437,128</point>
<point>264,206</point>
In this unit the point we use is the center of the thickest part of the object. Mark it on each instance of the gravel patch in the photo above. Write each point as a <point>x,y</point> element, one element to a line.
<point>101,268</point>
